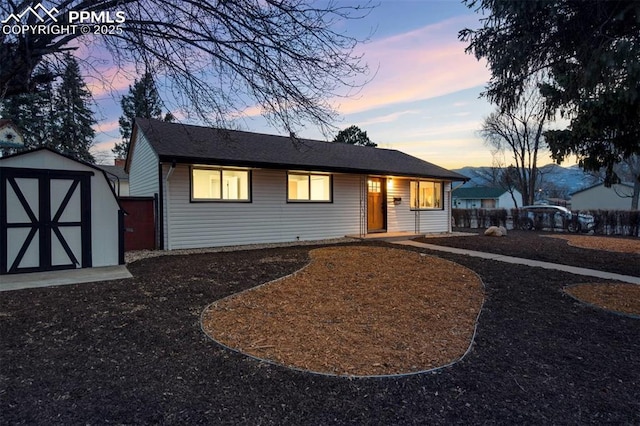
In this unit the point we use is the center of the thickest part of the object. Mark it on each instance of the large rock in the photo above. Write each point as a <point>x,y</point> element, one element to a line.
<point>495,231</point>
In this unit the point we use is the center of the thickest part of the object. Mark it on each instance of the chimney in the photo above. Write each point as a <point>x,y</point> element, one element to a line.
<point>120,162</point>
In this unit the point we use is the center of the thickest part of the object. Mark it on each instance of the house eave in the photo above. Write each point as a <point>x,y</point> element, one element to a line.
<point>310,167</point>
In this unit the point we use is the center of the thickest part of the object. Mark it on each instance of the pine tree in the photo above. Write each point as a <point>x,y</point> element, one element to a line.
<point>73,132</point>
<point>43,113</point>
<point>143,101</point>
<point>32,113</point>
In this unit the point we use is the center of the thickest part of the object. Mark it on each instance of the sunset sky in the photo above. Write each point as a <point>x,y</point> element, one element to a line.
<point>424,99</point>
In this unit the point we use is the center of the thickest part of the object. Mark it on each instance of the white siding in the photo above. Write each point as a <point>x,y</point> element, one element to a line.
<point>401,218</point>
<point>143,169</point>
<point>104,222</point>
<point>618,197</point>
<point>268,218</point>
<point>506,200</point>
<point>104,207</point>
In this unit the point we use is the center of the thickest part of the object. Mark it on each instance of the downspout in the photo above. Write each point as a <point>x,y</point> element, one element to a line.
<point>168,202</point>
<point>116,182</point>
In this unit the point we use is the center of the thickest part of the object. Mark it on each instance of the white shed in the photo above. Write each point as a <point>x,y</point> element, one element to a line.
<point>56,213</point>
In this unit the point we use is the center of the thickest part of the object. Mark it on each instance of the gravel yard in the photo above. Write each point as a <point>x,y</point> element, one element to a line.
<point>133,351</point>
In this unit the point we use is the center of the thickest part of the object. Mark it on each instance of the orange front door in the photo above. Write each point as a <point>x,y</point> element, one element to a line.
<point>376,204</point>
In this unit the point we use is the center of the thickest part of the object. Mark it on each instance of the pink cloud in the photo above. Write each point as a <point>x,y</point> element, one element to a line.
<point>107,126</point>
<point>102,76</point>
<point>420,64</point>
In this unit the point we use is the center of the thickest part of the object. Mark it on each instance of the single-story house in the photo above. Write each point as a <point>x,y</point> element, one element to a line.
<point>56,213</point>
<point>223,187</point>
<point>484,197</point>
<point>599,197</point>
<point>117,176</point>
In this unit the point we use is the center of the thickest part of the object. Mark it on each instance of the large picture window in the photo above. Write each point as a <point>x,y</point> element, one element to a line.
<point>426,195</point>
<point>308,187</point>
<point>219,185</point>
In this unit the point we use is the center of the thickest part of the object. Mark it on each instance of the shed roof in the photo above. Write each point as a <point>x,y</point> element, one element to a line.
<point>206,145</point>
<point>37,150</point>
<point>478,192</point>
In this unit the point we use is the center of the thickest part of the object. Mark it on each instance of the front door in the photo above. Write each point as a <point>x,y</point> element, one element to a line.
<point>45,220</point>
<point>376,205</point>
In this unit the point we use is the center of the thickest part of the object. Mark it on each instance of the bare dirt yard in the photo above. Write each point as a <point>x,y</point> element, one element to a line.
<point>133,351</point>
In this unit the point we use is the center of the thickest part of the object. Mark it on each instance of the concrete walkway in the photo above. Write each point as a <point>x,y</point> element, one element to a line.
<point>527,262</point>
<point>64,277</point>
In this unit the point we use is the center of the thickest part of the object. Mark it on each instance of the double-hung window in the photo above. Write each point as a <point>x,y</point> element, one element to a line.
<point>426,195</point>
<point>308,187</point>
<point>219,184</point>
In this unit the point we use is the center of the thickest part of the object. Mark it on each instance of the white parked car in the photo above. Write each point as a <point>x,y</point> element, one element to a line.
<point>556,217</point>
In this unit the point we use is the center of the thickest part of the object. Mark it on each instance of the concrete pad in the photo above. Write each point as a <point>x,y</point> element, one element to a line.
<point>385,236</point>
<point>68,276</point>
<point>405,235</point>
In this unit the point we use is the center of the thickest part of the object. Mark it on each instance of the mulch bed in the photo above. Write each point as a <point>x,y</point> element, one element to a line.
<point>132,351</point>
<point>621,298</point>
<point>592,242</point>
<point>356,311</point>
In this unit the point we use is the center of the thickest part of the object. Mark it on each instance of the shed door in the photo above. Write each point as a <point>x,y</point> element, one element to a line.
<point>45,220</point>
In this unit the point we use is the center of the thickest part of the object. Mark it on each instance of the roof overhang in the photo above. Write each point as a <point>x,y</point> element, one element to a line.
<point>170,159</point>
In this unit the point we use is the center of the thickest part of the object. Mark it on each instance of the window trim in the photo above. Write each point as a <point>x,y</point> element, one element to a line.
<point>309,174</point>
<point>221,170</point>
<point>442,184</point>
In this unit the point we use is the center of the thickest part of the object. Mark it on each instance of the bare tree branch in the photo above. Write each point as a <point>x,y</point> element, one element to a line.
<point>219,57</point>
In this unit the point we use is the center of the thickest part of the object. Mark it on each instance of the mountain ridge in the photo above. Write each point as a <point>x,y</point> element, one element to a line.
<point>555,180</point>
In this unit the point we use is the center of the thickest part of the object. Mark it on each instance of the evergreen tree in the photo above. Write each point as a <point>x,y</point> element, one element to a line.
<point>42,124</point>
<point>73,131</point>
<point>32,113</point>
<point>143,101</point>
<point>589,53</point>
<point>354,136</point>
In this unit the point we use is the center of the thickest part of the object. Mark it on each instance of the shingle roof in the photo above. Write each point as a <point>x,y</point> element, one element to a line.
<point>205,145</point>
<point>118,171</point>
<point>478,192</point>
<point>627,184</point>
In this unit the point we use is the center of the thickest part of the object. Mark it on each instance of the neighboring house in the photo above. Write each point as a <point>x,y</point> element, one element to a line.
<point>483,197</point>
<point>56,213</point>
<point>10,135</point>
<point>118,177</point>
<point>599,197</point>
<point>220,187</point>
